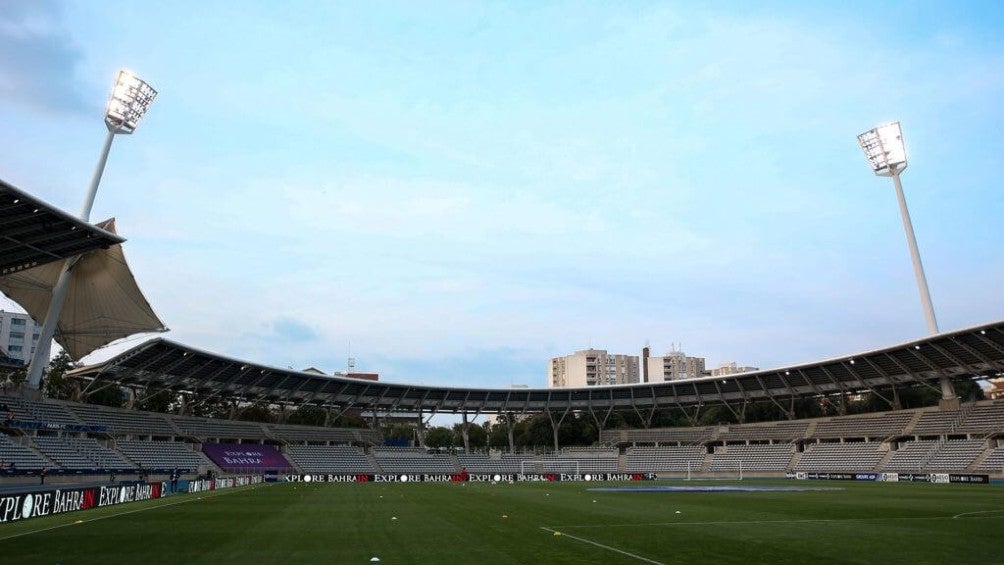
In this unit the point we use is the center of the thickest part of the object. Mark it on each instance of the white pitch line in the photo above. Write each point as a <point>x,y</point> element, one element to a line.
<point>979,512</point>
<point>806,521</point>
<point>76,523</point>
<point>607,547</point>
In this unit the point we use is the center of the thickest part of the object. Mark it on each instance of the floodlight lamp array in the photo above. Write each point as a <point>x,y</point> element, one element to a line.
<point>130,99</point>
<point>884,149</point>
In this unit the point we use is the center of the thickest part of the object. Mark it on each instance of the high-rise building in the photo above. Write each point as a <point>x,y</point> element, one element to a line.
<point>674,365</point>
<point>733,368</point>
<point>592,367</point>
<point>18,335</point>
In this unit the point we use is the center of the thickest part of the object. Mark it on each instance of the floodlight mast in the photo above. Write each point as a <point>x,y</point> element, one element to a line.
<point>886,154</point>
<point>130,99</point>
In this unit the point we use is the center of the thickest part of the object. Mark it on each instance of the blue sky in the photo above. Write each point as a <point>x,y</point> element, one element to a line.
<point>456,192</point>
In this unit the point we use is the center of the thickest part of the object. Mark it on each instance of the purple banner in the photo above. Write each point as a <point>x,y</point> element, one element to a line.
<point>233,456</point>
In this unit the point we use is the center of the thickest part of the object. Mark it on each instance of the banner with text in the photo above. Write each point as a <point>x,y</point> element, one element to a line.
<point>245,456</point>
<point>471,477</point>
<point>893,477</point>
<point>22,506</point>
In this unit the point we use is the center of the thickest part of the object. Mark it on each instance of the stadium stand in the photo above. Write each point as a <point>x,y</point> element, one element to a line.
<point>121,421</point>
<point>993,462</point>
<point>49,412</point>
<point>218,430</point>
<point>333,459</point>
<point>17,408</point>
<point>663,436</point>
<point>80,453</point>
<point>984,418</point>
<point>482,462</point>
<point>508,463</point>
<point>589,451</point>
<point>837,457</point>
<point>775,457</point>
<point>20,456</point>
<point>935,422</point>
<point>782,431</point>
<point>305,434</point>
<point>413,460</point>
<point>88,439</point>
<point>664,459</point>
<point>588,460</point>
<point>911,456</point>
<point>955,455</point>
<point>151,455</point>
<point>883,425</point>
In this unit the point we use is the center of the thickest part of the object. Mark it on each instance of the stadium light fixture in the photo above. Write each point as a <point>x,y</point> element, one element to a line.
<point>886,154</point>
<point>130,99</point>
<point>884,149</point>
<point>128,103</point>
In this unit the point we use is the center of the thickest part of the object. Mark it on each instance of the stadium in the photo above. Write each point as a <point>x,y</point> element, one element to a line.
<point>96,457</point>
<point>170,452</point>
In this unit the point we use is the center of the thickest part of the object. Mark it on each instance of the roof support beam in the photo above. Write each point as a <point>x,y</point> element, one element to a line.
<point>983,358</point>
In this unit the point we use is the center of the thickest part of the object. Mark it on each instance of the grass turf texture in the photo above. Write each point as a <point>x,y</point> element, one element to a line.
<point>450,523</point>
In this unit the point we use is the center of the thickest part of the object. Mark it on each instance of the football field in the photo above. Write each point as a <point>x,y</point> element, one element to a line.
<point>551,523</point>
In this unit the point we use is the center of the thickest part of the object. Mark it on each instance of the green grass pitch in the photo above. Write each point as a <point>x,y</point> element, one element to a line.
<point>482,523</point>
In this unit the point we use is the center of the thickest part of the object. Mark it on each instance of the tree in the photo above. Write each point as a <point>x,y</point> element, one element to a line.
<point>969,390</point>
<point>209,406</point>
<point>439,437</point>
<point>308,416</point>
<point>578,429</point>
<point>399,432</point>
<point>717,414</point>
<point>535,432</point>
<point>56,384</point>
<point>161,401</point>
<point>257,413</point>
<point>12,378</point>
<point>669,418</point>
<point>108,396</point>
<point>498,436</point>
<point>348,421</point>
<point>476,436</point>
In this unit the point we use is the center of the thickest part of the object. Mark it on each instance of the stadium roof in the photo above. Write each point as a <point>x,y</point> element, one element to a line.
<point>103,302</point>
<point>162,364</point>
<point>33,233</point>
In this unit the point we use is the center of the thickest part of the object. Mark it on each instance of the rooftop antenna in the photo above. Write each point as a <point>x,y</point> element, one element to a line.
<point>351,365</point>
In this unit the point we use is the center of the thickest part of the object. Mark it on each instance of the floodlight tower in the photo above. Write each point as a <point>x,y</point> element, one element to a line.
<point>130,99</point>
<point>884,149</point>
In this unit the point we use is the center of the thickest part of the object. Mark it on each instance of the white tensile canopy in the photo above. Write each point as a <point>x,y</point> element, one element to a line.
<point>103,303</point>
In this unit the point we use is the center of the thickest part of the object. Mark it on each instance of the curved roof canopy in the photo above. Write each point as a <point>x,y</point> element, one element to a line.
<point>103,302</point>
<point>33,233</point>
<point>161,364</point>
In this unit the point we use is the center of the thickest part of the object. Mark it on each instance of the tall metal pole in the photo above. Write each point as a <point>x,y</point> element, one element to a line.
<point>947,389</point>
<point>40,357</point>
<point>99,170</point>
<point>918,266</point>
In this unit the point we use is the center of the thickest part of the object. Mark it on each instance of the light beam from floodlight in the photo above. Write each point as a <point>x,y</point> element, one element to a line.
<point>886,154</point>
<point>130,99</point>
